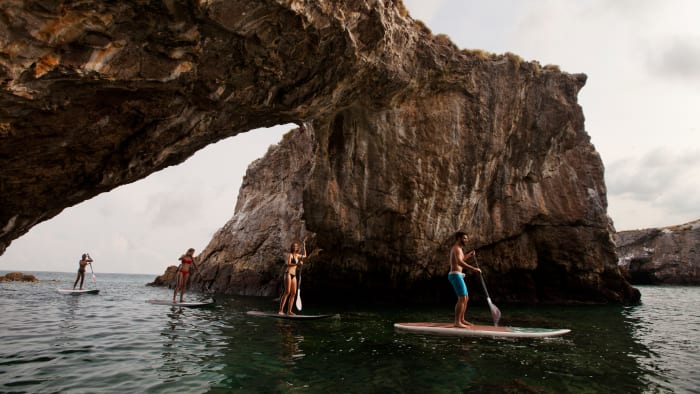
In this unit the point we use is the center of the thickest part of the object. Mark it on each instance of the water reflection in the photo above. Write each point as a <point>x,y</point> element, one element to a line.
<point>132,346</point>
<point>291,341</point>
<point>666,326</point>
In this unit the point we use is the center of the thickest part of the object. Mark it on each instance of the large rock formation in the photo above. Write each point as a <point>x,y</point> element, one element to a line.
<point>406,139</point>
<point>668,255</point>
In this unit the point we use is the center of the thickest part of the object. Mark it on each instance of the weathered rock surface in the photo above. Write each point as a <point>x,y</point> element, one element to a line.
<point>18,277</point>
<point>667,255</point>
<point>406,139</point>
<point>169,278</point>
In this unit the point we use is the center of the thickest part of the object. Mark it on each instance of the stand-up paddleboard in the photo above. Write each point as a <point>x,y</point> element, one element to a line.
<point>186,304</point>
<point>76,291</point>
<point>482,331</point>
<point>290,317</point>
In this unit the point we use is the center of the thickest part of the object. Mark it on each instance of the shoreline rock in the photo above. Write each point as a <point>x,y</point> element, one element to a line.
<point>665,255</point>
<point>18,277</point>
<point>169,278</point>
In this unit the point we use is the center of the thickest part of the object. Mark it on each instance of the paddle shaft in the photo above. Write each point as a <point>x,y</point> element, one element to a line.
<point>298,300</point>
<point>495,312</point>
<point>93,274</point>
<point>481,276</point>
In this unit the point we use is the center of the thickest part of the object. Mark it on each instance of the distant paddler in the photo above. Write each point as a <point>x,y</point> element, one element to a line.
<point>84,261</point>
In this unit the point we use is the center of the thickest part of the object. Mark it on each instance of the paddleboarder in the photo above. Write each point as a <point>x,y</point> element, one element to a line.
<point>458,260</point>
<point>292,261</point>
<point>183,273</point>
<point>84,261</point>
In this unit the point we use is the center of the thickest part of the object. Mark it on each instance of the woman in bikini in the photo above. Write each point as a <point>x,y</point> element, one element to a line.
<point>183,273</point>
<point>293,260</point>
<point>84,261</point>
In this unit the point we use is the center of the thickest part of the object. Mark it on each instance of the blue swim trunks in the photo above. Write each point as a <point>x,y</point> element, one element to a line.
<point>457,280</point>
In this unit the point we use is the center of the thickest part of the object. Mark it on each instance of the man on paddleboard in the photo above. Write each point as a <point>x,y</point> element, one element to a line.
<point>456,277</point>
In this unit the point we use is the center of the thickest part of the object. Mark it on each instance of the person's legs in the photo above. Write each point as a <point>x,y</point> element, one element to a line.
<point>464,311</point>
<point>285,295</point>
<point>77,278</point>
<point>460,288</point>
<point>82,279</point>
<point>177,284</point>
<point>460,308</point>
<point>183,287</point>
<point>292,295</point>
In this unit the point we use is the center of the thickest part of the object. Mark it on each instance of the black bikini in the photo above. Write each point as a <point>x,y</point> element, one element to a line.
<point>292,276</point>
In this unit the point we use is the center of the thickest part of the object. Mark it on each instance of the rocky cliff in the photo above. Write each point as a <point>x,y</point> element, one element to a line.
<point>668,255</point>
<point>405,140</point>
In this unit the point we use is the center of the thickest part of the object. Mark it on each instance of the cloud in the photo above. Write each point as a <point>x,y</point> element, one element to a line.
<point>423,10</point>
<point>174,208</point>
<point>677,57</point>
<point>662,183</point>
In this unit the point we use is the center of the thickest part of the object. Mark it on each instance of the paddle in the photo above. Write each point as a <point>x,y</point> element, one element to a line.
<point>495,312</point>
<point>298,302</point>
<point>93,272</point>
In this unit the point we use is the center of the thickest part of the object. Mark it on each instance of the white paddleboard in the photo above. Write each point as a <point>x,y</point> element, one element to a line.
<point>76,291</point>
<point>183,304</point>
<point>290,317</point>
<point>477,330</point>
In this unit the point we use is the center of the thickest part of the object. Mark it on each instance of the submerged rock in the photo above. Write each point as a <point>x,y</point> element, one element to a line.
<point>18,277</point>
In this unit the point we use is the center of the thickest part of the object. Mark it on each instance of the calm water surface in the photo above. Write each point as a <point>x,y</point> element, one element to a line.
<point>115,342</point>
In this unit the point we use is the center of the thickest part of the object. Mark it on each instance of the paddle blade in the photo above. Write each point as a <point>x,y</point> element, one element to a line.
<point>93,277</point>
<point>495,312</point>
<point>298,303</point>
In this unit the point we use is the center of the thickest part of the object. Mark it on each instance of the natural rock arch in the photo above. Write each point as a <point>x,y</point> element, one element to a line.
<point>99,94</point>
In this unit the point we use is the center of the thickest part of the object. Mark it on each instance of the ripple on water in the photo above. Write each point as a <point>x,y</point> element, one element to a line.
<point>115,342</point>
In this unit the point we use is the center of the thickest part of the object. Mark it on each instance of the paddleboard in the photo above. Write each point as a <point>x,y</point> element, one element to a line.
<point>193,304</point>
<point>76,291</point>
<point>290,317</point>
<point>477,330</point>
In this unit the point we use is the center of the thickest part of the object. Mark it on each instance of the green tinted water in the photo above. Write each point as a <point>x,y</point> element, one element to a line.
<point>115,342</point>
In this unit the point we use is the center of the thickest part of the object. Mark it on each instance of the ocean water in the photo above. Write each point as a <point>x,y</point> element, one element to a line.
<point>115,342</point>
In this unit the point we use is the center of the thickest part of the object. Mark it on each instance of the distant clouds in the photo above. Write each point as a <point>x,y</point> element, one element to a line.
<point>662,184</point>
<point>677,57</point>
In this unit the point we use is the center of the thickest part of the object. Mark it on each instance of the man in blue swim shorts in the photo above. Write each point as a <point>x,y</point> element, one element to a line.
<point>456,277</point>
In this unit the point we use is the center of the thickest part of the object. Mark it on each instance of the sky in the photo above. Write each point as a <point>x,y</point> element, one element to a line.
<point>641,104</point>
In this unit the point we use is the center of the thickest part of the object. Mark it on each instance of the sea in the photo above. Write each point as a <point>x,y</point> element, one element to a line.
<point>116,342</point>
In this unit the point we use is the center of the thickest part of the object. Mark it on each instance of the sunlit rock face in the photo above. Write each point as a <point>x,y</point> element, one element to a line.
<point>380,192</point>
<point>668,255</point>
<point>406,139</point>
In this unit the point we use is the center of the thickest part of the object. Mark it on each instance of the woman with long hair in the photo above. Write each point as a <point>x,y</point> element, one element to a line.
<point>183,273</point>
<point>292,261</point>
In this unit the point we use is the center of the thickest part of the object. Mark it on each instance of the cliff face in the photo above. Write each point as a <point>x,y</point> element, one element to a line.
<point>406,139</point>
<point>669,255</point>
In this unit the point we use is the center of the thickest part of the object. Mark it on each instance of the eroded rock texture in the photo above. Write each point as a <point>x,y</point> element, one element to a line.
<point>406,139</point>
<point>668,255</point>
